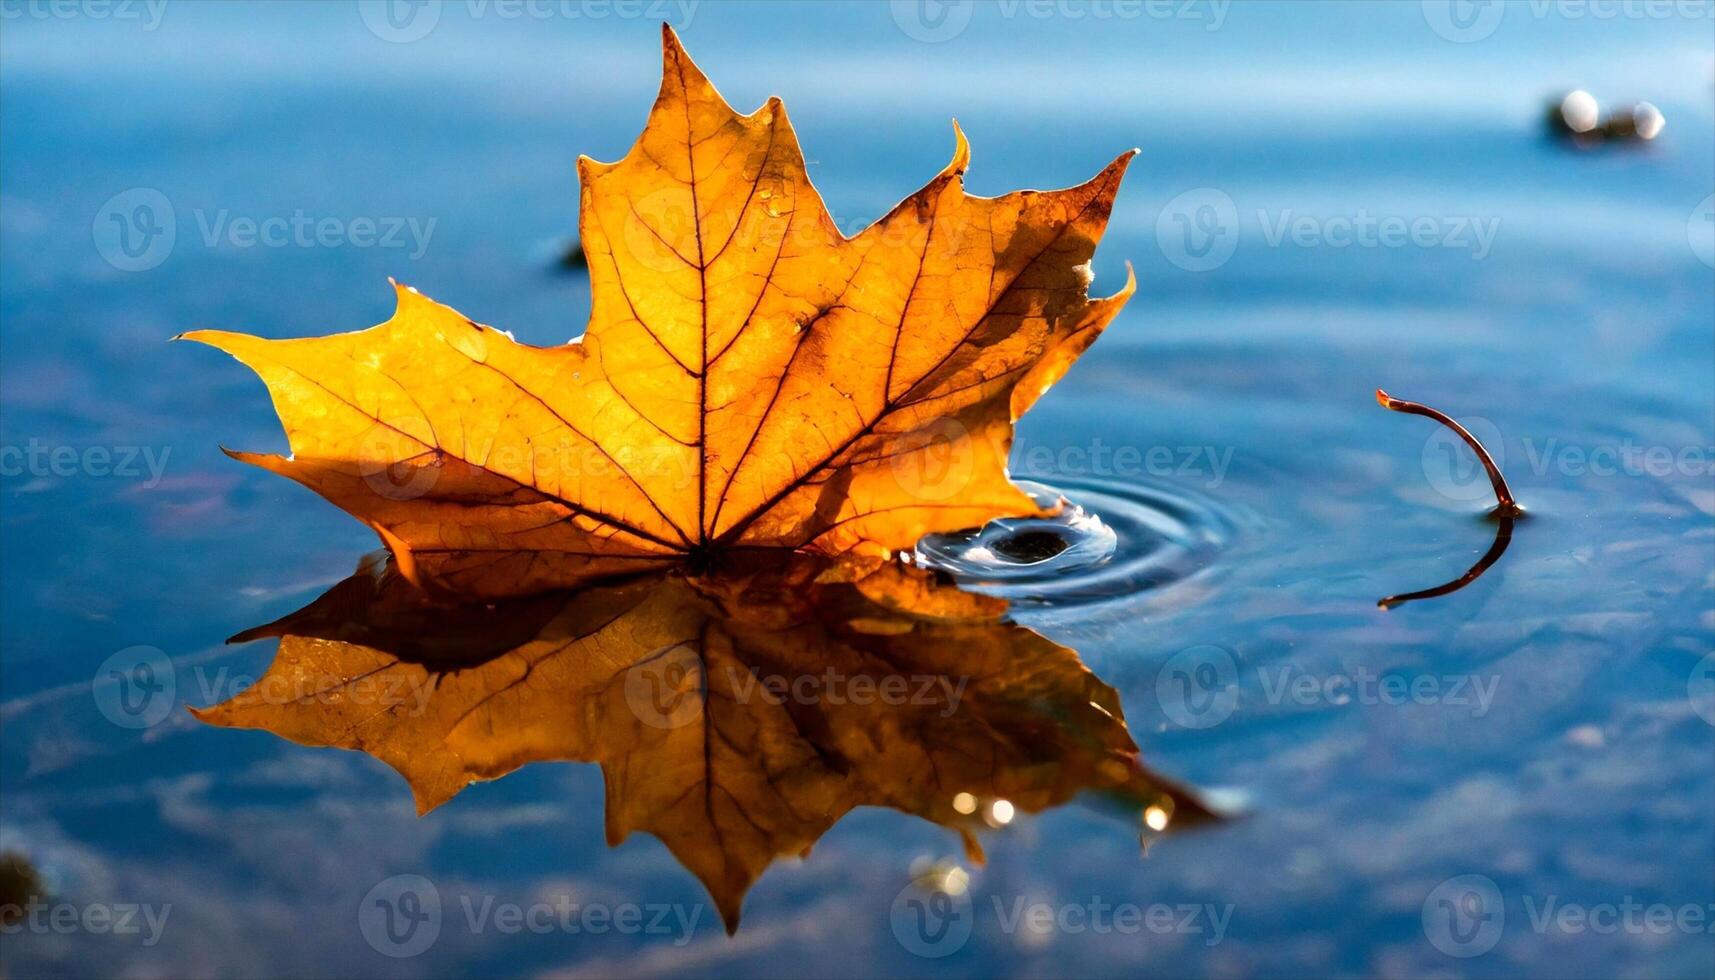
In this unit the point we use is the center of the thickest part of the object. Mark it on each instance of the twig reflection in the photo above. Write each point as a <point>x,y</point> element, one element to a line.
<point>1503,537</point>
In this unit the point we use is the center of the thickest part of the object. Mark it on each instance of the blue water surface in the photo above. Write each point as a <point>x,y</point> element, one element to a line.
<point>1560,300</point>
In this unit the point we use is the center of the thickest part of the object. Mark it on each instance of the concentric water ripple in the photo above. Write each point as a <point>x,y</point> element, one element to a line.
<point>1109,540</point>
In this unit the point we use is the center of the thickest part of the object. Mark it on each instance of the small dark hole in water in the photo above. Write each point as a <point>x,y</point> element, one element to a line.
<point>1030,546</point>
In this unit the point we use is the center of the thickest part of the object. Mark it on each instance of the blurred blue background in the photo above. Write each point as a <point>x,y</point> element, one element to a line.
<point>1560,300</point>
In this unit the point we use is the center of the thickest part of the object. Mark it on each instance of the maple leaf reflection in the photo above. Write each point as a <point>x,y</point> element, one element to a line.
<point>736,715</point>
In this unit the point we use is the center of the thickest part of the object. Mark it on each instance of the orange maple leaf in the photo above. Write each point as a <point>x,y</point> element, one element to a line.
<point>750,377</point>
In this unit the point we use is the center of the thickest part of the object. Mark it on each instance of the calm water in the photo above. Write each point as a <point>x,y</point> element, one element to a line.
<point>1555,736</point>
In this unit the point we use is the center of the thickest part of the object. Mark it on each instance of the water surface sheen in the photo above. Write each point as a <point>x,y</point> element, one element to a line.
<point>1545,728</point>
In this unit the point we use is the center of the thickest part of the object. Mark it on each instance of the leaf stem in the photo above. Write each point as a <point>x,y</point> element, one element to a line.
<point>1506,505</point>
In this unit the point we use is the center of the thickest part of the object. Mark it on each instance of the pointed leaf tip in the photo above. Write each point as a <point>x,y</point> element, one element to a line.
<point>961,153</point>
<point>672,49</point>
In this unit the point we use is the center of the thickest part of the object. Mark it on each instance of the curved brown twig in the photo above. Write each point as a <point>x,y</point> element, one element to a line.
<point>1503,537</point>
<point>1507,506</point>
